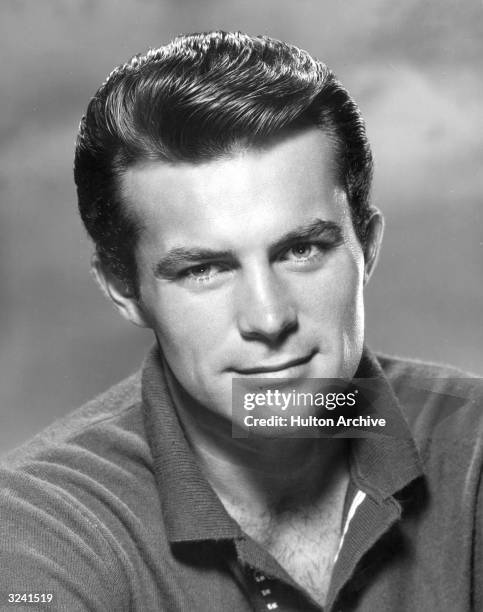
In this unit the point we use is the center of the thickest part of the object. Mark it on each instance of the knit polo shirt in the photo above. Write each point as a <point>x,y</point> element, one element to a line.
<point>108,509</point>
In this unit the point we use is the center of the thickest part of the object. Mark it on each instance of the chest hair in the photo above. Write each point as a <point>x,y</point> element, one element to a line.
<point>304,541</point>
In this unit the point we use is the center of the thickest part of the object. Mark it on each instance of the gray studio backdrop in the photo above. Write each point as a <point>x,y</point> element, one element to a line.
<point>415,68</point>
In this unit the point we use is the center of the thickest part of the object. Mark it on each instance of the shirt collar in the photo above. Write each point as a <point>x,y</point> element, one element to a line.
<point>191,508</point>
<point>384,462</point>
<point>380,465</point>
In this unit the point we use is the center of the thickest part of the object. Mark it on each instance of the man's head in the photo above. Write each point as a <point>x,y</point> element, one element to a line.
<point>196,99</point>
<point>225,181</point>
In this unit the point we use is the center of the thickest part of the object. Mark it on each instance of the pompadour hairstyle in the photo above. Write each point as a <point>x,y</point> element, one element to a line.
<point>195,99</point>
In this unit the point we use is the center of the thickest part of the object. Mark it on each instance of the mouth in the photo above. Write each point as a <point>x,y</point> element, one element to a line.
<point>277,367</point>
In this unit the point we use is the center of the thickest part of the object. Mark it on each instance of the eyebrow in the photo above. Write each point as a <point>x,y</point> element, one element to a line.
<point>169,264</point>
<point>180,256</point>
<point>330,231</point>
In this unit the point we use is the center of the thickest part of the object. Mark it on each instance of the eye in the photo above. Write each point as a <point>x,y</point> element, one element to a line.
<point>199,272</point>
<point>303,251</point>
<point>204,272</point>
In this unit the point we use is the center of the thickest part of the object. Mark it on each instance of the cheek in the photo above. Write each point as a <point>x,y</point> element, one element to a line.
<point>335,297</point>
<point>187,324</point>
<point>351,297</point>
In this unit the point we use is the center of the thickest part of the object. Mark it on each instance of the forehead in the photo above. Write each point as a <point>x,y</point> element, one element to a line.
<point>248,193</point>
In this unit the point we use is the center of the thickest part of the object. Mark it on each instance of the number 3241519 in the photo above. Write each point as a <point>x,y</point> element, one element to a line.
<point>30,597</point>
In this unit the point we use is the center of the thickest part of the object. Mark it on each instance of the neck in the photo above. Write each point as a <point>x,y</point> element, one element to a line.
<point>266,474</point>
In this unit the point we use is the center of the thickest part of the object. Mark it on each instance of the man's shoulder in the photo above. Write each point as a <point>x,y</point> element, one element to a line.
<point>74,496</point>
<point>437,400</point>
<point>406,374</point>
<point>109,415</point>
<point>98,452</point>
<point>397,367</point>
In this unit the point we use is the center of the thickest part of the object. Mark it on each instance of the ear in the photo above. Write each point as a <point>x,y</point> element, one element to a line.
<point>119,292</point>
<point>374,233</point>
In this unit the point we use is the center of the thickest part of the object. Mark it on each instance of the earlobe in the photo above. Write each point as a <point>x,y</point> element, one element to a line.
<point>374,233</point>
<point>117,290</point>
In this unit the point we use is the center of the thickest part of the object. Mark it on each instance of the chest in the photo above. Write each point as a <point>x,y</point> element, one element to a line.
<point>304,543</point>
<point>306,548</point>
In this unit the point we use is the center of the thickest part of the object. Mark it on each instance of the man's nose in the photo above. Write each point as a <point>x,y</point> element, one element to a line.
<point>265,308</point>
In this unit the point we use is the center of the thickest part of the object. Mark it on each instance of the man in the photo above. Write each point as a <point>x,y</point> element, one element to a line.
<point>224,180</point>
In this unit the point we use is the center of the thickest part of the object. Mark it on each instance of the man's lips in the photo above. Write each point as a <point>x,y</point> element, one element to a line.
<point>276,367</point>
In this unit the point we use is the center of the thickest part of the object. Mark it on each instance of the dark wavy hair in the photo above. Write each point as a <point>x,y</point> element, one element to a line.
<point>195,99</point>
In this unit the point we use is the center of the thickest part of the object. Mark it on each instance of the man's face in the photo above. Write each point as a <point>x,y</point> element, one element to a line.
<point>249,266</point>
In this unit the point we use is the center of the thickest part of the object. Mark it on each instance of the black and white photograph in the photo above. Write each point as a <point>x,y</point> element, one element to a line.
<point>242,306</point>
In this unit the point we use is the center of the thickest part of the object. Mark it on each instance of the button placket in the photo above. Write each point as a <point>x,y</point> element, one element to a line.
<point>265,591</point>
